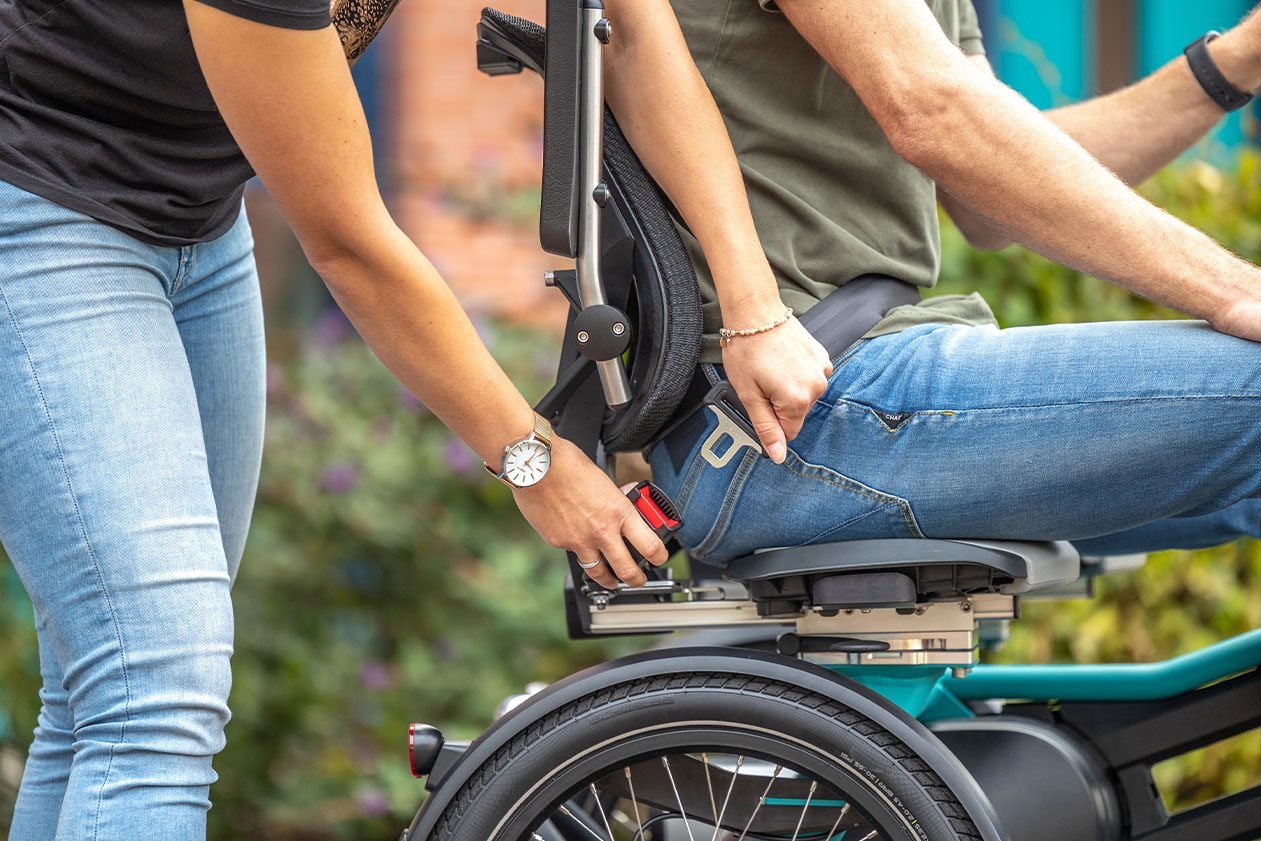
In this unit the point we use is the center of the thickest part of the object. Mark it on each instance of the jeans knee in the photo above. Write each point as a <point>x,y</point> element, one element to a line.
<point>173,700</point>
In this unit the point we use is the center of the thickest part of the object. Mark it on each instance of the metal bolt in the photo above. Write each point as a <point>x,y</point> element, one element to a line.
<point>549,278</point>
<point>583,337</point>
<point>618,328</point>
<point>966,607</point>
<point>960,672</point>
<point>603,30</point>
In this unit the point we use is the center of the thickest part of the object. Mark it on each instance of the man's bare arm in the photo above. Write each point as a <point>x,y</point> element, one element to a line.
<point>991,149</point>
<point>1139,129</point>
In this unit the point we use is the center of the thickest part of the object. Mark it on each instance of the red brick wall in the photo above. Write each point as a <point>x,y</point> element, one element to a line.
<point>466,159</point>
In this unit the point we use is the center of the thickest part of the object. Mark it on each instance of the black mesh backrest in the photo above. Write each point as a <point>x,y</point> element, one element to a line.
<point>666,299</point>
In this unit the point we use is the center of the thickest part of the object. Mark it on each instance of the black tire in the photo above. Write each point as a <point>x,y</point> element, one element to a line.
<point>557,757</point>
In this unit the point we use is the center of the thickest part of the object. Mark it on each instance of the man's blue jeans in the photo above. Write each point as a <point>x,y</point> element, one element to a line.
<point>1123,437</point>
<point>131,421</point>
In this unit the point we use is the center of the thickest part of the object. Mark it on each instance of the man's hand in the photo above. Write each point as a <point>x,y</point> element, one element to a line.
<point>778,376</point>
<point>578,508</point>
<point>1242,319</point>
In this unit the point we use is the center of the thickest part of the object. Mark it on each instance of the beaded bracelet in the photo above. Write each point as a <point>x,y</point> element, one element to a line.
<point>725,335</point>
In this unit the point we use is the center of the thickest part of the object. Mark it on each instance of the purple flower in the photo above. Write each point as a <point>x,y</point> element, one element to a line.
<point>339,477</point>
<point>330,328</point>
<point>373,802</point>
<point>375,675</point>
<point>460,458</point>
<point>411,402</point>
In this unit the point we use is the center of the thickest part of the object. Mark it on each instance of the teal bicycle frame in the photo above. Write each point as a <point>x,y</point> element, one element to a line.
<point>931,694</point>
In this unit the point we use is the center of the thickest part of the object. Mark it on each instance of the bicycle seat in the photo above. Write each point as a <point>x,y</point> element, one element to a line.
<point>901,573</point>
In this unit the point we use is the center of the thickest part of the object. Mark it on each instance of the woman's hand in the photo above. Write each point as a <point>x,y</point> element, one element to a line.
<point>578,508</point>
<point>778,376</point>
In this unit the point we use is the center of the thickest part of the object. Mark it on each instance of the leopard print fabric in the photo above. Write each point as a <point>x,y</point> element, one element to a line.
<point>358,22</point>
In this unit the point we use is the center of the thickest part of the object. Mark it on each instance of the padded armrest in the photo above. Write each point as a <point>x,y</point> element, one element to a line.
<point>558,206</point>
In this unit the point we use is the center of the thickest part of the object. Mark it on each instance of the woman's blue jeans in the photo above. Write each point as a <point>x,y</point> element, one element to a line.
<point>131,421</point>
<point>1123,437</point>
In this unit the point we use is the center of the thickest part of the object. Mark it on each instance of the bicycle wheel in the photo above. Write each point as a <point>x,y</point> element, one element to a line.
<point>703,757</point>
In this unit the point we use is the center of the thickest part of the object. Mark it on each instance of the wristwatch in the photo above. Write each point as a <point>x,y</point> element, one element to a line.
<point>525,462</point>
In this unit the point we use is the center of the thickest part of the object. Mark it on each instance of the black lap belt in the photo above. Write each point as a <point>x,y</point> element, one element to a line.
<point>837,321</point>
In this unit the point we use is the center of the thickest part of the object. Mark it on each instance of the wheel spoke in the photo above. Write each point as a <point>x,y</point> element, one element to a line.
<point>596,795</point>
<point>814,785</point>
<point>727,799</point>
<point>565,811</point>
<point>639,822</point>
<point>875,833</point>
<point>677,798</point>
<point>761,801</point>
<point>832,832</point>
<point>709,783</point>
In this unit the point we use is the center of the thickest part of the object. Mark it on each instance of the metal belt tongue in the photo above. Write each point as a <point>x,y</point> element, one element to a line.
<point>727,410</point>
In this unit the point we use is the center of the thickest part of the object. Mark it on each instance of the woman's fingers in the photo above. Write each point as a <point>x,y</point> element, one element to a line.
<point>600,573</point>
<point>639,535</point>
<point>617,556</point>
<point>767,426</point>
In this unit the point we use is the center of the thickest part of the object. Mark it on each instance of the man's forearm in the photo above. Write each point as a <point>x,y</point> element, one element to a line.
<point>1139,129</point>
<point>1041,189</point>
<point>987,146</point>
<point>669,116</point>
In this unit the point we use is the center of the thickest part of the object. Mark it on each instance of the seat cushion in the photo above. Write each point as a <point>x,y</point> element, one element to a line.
<point>1018,566</point>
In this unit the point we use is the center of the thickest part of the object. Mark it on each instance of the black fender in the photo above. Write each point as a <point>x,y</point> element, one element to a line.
<point>766,665</point>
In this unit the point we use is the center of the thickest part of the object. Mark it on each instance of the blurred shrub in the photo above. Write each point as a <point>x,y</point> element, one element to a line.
<point>388,579</point>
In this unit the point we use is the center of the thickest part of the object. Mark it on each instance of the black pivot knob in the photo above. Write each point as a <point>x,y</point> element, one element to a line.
<point>603,30</point>
<point>424,744</point>
<point>601,332</point>
<point>601,194</point>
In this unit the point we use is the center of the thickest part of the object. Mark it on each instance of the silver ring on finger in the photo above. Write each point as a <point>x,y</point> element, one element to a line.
<point>591,565</point>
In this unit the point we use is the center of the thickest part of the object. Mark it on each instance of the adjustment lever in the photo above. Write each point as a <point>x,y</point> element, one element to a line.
<point>790,645</point>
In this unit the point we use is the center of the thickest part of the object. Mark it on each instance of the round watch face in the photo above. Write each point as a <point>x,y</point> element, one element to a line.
<point>526,463</point>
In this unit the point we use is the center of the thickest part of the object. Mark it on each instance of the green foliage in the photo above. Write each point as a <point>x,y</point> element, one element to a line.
<point>387,579</point>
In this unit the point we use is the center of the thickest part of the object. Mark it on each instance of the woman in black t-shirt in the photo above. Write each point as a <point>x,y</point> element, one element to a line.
<point>131,355</point>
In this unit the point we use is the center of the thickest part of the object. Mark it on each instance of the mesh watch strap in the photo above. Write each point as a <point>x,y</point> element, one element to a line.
<point>543,429</point>
<point>1210,77</point>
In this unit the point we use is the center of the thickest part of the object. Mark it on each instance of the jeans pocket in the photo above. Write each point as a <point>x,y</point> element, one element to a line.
<point>762,505</point>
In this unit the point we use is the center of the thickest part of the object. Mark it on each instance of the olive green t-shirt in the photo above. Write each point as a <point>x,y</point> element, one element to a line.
<point>831,199</point>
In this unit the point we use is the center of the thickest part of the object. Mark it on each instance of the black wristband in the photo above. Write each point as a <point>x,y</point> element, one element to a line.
<point>1210,77</point>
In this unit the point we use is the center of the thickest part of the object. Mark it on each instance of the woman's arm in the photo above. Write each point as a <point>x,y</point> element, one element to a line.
<point>288,98</point>
<point>669,116</point>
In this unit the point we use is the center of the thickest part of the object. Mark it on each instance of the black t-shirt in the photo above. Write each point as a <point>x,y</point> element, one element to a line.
<point>104,110</point>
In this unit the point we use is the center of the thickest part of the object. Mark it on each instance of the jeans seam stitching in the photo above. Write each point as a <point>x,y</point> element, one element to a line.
<point>83,533</point>
<point>1067,403</point>
<point>826,474</point>
<point>828,532</point>
<point>689,482</point>
<point>730,498</point>
<point>841,481</point>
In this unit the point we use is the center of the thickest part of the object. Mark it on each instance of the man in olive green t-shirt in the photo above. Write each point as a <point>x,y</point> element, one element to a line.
<point>852,120</point>
<point>831,198</point>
